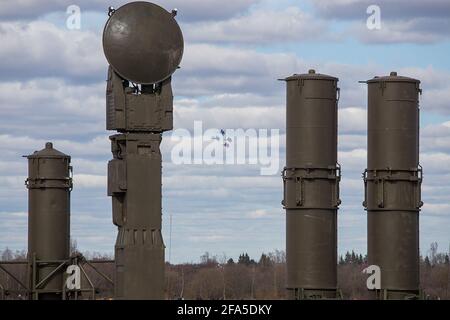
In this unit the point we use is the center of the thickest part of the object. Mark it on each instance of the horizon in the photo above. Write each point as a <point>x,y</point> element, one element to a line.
<point>52,88</point>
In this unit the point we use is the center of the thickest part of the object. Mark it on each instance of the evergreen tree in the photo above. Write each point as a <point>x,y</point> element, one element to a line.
<point>244,259</point>
<point>353,257</point>
<point>265,261</point>
<point>348,258</point>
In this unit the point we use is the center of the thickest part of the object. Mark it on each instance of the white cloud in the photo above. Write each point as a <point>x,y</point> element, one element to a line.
<point>53,97</point>
<point>353,160</point>
<point>40,49</point>
<point>390,9</point>
<point>435,162</point>
<point>348,142</point>
<point>204,60</point>
<point>402,21</point>
<point>15,214</point>
<point>263,213</point>
<point>231,117</point>
<point>188,9</point>
<point>352,120</point>
<point>259,27</point>
<point>441,209</point>
<point>209,69</point>
<point>435,137</point>
<point>211,182</point>
<point>18,146</point>
<point>352,186</point>
<point>89,181</point>
<point>416,30</point>
<point>53,90</point>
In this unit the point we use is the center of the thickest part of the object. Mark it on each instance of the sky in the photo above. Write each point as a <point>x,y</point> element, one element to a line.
<point>52,88</point>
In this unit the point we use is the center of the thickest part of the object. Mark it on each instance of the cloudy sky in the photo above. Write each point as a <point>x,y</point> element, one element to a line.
<point>52,88</point>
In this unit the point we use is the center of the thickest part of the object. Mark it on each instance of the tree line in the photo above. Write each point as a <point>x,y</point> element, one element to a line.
<point>244,277</point>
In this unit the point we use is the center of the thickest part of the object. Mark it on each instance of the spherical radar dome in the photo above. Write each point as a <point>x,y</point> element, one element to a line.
<point>143,42</point>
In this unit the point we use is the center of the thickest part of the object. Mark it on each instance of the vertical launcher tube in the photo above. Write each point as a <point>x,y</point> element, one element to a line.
<point>311,186</point>
<point>49,184</point>
<point>393,184</point>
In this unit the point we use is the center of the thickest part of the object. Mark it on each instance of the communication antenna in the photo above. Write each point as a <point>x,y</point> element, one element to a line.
<point>143,44</point>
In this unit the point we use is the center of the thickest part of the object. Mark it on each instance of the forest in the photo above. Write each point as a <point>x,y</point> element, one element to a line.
<point>220,277</point>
